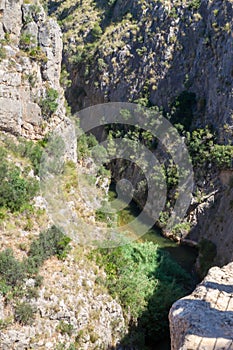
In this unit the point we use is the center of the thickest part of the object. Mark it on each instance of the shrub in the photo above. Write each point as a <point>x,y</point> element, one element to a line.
<point>4,288</point>
<point>2,53</point>
<point>65,328</point>
<point>99,154</point>
<point>96,31</point>
<point>49,103</point>
<point>222,156</point>
<point>84,145</point>
<point>38,280</point>
<point>104,216</point>
<point>195,4</point>
<point>11,270</point>
<point>38,55</point>
<point>24,313</point>
<point>15,191</point>
<point>26,41</point>
<point>136,271</point>
<point>64,78</point>
<point>31,292</point>
<point>34,152</point>
<point>200,143</point>
<point>204,149</point>
<point>52,158</point>
<point>51,242</point>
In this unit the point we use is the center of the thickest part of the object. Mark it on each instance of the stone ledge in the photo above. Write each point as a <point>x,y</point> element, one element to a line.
<point>204,319</point>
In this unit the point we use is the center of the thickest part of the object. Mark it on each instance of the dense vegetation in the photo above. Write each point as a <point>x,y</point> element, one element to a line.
<point>146,281</point>
<point>17,188</point>
<point>49,103</point>
<point>23,148</point>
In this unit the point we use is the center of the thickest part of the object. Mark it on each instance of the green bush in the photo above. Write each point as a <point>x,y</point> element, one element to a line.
<point>51,242</point>
<point>222,156</point>
<point>49,103</point>
<point>52,158</point>
<point>103,215</point>
<point>96,31</point>
<point>200,143</point>
<point>84,145</point>
<point>26,149</point>
<point>195,4</point>
<point>38,55</point>
<point>26,41</point>
<point>16,191</point>
<point>24,313</point>
<point>2,53</point>
<point>65,328</point>
<point>12,271</point>
<point>145,280</point>
<point>99,154</point>
<point>4,288</point>
<point>204,149</point>
<point>34,152</point>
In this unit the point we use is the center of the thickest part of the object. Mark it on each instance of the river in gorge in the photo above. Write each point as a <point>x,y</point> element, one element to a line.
<point>185,256</point>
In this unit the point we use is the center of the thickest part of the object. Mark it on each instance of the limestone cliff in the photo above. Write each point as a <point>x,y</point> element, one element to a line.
<point>150,50</point>
<point>204,319</point>
<point>31,53</point>
<point>70,307</point>
<point>120,51</point>
<point>153,51</point>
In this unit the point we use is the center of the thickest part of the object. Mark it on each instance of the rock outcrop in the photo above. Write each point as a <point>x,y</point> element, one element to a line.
<point>70,296</point>
<point>204,319</point>
<point>31,53</point>
<point>31,105</point>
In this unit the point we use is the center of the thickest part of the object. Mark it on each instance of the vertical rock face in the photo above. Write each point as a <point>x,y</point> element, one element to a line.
<point>31,53</point>
<point>214,222</point>
<point>153,50</point>
<point>204,319</point>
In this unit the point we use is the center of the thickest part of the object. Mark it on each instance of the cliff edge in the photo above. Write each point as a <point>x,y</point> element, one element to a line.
<point>204,319</point>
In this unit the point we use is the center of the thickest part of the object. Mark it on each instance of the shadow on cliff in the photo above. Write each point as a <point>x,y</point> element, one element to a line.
<point>215,324</point>
<point>204,320</point>
<point>220,287</point>
<point>196,45</point>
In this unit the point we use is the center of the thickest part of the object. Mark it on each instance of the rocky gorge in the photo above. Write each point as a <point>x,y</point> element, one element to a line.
<point>152,52</point>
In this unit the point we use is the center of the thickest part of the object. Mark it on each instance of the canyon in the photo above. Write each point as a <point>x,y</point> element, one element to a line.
<point>139,51</point>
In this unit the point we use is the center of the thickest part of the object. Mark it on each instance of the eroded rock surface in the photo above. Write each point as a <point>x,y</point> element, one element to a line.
<point>204,319</point>
<point>31,47</point>
<point>154,50</point>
